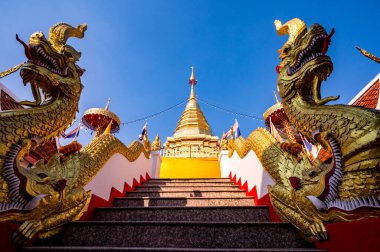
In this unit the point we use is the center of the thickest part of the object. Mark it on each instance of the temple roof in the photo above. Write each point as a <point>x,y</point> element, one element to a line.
<point>8,100</point>
<point>369,96</point>
<point>192,121</point>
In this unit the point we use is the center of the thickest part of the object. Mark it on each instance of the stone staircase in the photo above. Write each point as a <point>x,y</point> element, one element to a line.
<point>179,215</point>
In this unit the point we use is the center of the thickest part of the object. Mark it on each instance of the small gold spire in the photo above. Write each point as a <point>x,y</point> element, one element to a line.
<point>107,131</point>
<point>108,104</point>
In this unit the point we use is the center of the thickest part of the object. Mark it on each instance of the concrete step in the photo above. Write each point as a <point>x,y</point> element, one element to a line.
<point>163,188</point>
<point>186,183</point>
<point>182,201</point>
<point>194,193</point>
<point>182,235</point>
<point>142,249</point>
<point>208,214</point>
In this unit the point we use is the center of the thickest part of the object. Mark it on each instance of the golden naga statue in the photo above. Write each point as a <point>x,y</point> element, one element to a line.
<point>44,197</point>
<point>345,188</point>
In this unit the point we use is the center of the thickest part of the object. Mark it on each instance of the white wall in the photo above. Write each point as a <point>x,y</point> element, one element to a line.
<point>247,169</point>
<point>156,164</point>
<point>118,170</point>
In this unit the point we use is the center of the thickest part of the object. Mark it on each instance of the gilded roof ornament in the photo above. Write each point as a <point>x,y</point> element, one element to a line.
<point>368,54</point>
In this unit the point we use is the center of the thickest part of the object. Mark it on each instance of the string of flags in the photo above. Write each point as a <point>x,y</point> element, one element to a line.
<point>230,111</point>
<point>186,100</point>
<point>235,131</point>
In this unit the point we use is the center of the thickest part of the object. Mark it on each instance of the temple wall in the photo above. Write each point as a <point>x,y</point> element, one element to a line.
<point>118,171</point>
<point>246,170</point>
<point>156,164</point>
<point>119,176</point>
<point>192,148</point>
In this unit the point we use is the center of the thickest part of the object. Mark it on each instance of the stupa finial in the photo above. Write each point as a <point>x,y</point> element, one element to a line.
<point>192,80</point>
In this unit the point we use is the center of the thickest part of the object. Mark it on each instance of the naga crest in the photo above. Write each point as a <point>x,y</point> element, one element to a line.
<point>51,64</point>
<point>304,63</point>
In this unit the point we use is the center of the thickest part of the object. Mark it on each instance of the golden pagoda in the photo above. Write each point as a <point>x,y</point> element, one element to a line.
<point>192,137</point>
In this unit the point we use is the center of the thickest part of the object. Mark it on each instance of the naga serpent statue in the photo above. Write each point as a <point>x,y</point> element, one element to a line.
<point>43,197</point>
<point>311,194</point>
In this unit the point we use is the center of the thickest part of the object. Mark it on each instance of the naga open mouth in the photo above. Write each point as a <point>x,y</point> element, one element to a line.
<point>37,55</point>
<point>317,47</point>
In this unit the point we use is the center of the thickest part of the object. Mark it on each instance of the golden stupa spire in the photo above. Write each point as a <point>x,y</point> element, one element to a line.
<point>192,82</point>
<point>192,137</point>
<point>192,120</point>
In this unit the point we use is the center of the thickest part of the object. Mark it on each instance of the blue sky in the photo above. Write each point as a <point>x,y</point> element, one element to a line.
<point>139,53</point>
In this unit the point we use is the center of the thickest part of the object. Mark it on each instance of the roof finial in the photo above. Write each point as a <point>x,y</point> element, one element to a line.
<point>108,104</point>
<point>275,96</point>
<point>368,54</point>
<point>192,80</point>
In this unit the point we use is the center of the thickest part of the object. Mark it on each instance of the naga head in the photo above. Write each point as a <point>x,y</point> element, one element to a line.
<point>304,63</point>
<point>51,64</point>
